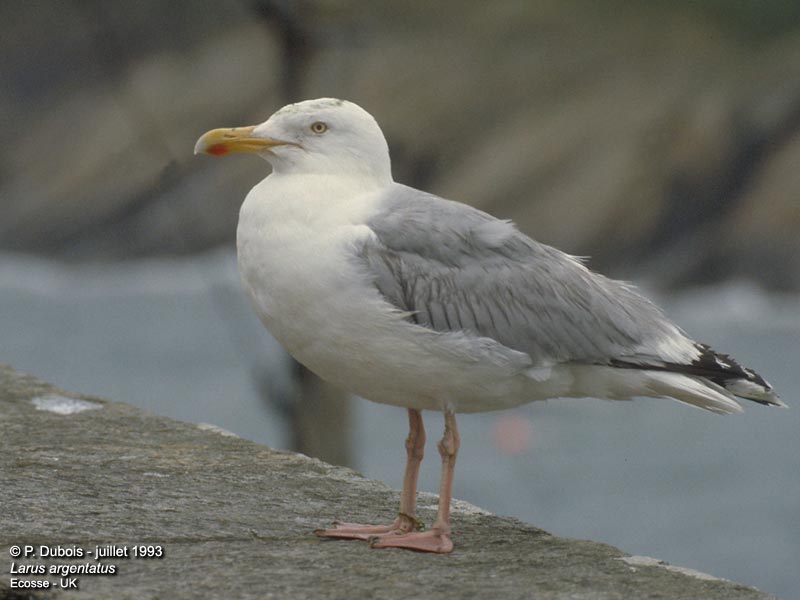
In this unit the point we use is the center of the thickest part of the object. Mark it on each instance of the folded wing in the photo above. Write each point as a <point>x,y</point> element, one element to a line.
<point>455,268</point>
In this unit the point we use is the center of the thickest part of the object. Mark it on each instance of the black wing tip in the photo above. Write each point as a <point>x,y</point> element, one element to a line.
<point>729,374</point>
<point>721,370</point>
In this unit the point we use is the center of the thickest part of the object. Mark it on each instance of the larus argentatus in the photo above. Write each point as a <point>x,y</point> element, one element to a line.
<point>409,299</point>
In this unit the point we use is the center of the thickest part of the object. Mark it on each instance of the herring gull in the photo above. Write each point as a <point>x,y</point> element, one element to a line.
<point>409,299</point>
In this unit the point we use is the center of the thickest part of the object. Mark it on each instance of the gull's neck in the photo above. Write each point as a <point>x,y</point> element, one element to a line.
<point>376,168</point>
<point>313,201</point>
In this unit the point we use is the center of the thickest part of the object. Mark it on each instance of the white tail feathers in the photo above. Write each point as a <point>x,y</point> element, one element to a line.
<point>694,391</point>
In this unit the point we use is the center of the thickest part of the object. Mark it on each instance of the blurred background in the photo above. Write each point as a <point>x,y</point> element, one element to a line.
<point>662,139</point>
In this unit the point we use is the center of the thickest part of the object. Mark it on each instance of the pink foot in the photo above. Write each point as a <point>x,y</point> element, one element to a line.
<point>356,531</point>
<point>433,540</point>
<point>353,531</point>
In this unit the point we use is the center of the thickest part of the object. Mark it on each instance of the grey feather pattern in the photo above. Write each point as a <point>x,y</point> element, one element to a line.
<point>455,268</point>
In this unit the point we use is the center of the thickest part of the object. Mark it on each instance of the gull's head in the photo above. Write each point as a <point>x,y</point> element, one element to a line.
<point>324,136</point>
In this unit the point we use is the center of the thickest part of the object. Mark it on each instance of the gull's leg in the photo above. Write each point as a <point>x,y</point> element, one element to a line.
<point>415,451</point>
<point>437,538</point>
<point>405,521</point>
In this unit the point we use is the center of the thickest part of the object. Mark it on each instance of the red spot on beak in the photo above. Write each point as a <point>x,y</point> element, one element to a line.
<point>217,149</point>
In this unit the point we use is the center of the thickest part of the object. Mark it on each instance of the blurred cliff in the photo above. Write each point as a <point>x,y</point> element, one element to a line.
<point>660,138</point>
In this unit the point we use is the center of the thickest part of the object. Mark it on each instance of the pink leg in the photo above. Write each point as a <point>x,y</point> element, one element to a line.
<point>405,521</point>
<point>415,451</point>
<point>437,538</point>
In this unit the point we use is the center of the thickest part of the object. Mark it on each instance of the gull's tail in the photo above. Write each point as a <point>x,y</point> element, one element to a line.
<point>710,381</point>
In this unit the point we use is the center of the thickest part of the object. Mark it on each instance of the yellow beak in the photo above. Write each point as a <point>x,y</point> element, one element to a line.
<point>234,139</point>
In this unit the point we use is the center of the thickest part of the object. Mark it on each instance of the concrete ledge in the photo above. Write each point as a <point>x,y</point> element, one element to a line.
<point>235,519</point>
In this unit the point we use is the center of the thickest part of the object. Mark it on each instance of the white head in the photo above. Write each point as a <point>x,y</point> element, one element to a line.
<point>323,136</point>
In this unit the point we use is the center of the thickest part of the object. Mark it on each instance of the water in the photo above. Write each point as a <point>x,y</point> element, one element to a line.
<point>719,494</point>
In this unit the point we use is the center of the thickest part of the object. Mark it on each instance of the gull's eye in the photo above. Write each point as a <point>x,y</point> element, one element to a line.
<point>319,127</point>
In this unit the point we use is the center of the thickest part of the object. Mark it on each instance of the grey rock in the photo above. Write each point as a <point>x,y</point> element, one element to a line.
<point>659,139</point>
<point>634,137</point>
<point>104,102</point>
<point>235,518</point>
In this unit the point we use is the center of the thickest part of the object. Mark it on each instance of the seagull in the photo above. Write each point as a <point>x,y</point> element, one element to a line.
<point>405,298</point>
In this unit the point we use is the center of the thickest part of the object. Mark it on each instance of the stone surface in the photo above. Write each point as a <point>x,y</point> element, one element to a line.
<point>235,518</point>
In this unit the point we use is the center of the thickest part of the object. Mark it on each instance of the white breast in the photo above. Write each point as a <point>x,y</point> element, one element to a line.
<point>295,252</point>
<point>292,240</point>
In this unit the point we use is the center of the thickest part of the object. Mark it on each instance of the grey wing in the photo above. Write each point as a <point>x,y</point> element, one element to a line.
<point>455,268</point>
